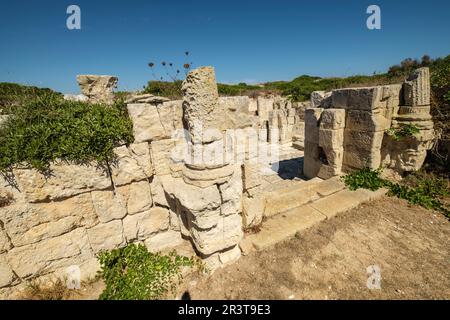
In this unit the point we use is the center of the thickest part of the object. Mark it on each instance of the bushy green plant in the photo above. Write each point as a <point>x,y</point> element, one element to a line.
<point>425,192</point>
<point>169,89</point>
<point>416,196</point>
<point>13,94</point>
<point>46,128</point>
<point>236,89</point>
<point>404,131</point>
<point>365,178</point>
<point>133,273</point>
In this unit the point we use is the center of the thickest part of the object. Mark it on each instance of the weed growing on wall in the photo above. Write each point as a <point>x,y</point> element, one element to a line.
<point>402,132</point>
<point>427,192</point>
<point>47,127</point>
<point>134,273</point>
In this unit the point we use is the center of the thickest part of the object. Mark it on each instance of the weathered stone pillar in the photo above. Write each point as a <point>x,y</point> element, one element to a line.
<point>331,139</point>
<point>203,115</point>
<point>408,153</point>
<point>210,191</point>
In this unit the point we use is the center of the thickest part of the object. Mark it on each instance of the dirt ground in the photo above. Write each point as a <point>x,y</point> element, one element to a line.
<point>409,244</point>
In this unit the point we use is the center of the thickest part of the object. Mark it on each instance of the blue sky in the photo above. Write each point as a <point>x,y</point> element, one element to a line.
<point>246,41</point>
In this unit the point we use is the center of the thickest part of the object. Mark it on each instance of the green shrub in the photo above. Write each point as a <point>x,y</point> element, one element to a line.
<point>13,94</point>
<point>365,178</point>
<point>133,273</point>
<point>416,196</point>
<point>240,89</point>
<point>169,89</point>
<point>404,131</point>
<point>426,192</point>
<point>47,128</point>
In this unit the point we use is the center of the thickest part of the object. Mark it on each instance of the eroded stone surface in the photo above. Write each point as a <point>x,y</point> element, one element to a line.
<point>133,163</point>
<point>65,180</point>
<point>50,254</point>
<point>98,89</point>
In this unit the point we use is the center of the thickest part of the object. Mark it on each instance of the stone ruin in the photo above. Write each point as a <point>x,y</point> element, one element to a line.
<point>347,129</point>
<point>97,89</point>
<point>200,171</point>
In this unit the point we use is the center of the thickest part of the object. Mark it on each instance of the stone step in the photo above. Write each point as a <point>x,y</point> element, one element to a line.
<point>282,227</point>
<point>345,200</point>
<point>285,225</point>
<point>297,194</point>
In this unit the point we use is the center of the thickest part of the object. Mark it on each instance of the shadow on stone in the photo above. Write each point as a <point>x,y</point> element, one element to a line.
<point>288,169</point>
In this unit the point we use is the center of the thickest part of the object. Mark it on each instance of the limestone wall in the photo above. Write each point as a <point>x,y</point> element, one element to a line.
<point>171,187</point>
<point>152,194</point>
<point>348,128</point>
<point>65,219</point>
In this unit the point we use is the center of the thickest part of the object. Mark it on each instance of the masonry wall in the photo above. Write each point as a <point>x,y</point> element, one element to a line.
<point>65,219</point>
<point>350,128</point>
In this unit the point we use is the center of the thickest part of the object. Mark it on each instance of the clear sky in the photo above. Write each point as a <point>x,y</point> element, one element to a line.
<point>245,40</point>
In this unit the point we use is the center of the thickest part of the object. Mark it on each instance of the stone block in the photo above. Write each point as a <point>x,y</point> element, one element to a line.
<point>311,133</point>
<point>106,236</point>
<point>136,197</point>
<point>142,225</point>
<point>147,125</point>
<point>331,139</point>
<point>6,274</point>
<point>366,140</point>
<point>344,200</point>
<point>285,226</point>
<point>328,171</point>
<point>158,195</point>
<point>226,234</point>
<point>231,194</point>
<point>163,241</point>
<point>230,256</point>
<point>330,186</point>
<point>319,99</point>
<point>160,153</point>
<point>251,175</point>
<point>66,180</point>
<point>252,211</point>
<point>264,106</point>
<point>108,206</point>
<point>201,108</point>
<point>363,120</point>
<point>359,158</point>
<point>132,164</point>
<point>334,157</point>
<point>51,254</point>
<point>98,89</point>
<point>332,119</point>
<point>312,116</point>
<point>30,223</point>
<point>253,106</point>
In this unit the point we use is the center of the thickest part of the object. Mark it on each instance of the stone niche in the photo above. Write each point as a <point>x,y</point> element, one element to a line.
<point>349,128</point>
